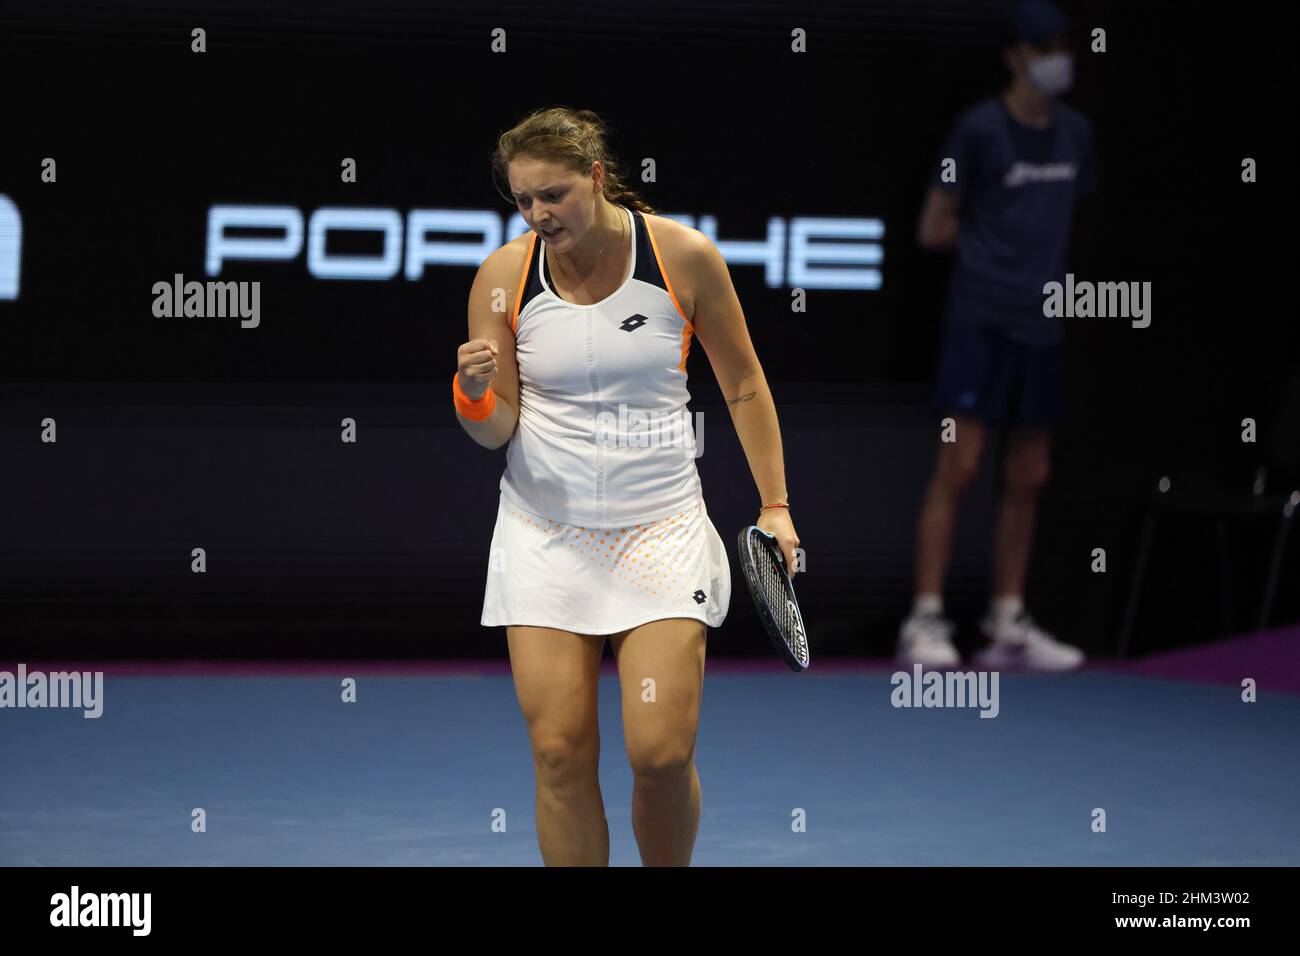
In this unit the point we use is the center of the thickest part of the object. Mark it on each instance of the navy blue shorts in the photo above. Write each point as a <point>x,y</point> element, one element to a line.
<point>985,375</point>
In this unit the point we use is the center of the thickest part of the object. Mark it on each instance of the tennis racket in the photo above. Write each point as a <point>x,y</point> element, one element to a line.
<point>764,568</point>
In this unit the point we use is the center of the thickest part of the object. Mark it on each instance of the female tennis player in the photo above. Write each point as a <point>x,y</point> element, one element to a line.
<point>578,336</point>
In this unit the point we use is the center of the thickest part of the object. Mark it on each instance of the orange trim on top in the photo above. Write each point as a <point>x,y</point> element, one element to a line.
<point>523,284</point>
<point>664,272</point>
<point>688,329</point>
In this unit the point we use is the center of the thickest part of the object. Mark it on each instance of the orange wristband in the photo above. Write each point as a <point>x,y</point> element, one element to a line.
<point>475,411</point>
<point>779,504</point>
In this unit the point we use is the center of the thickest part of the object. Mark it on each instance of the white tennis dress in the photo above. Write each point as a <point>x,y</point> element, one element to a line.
<point>601,524</point>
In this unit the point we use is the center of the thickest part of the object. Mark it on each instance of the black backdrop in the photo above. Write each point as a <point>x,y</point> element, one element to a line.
<point>176,433</point>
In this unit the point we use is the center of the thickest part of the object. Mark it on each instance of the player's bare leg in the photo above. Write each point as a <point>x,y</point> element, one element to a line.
<point>556,676</point>
<point>661,672</point>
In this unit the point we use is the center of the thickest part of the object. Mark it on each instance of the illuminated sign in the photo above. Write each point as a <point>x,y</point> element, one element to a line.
<point>11,247</point>
<point>802,252</point>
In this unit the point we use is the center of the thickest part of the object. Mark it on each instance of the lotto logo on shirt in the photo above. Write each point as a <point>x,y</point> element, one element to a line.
<point>1022,173</point>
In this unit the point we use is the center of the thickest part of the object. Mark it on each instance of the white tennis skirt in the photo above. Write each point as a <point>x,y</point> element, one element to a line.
<point>602,581</point>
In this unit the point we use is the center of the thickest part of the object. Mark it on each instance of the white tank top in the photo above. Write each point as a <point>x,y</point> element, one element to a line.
<point>604,437</point>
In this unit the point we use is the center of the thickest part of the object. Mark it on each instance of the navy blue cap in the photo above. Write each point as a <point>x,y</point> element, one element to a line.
<point>1037,21</point>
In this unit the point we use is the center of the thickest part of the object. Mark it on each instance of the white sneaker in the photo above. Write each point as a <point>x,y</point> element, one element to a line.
<point>926,639</point>
<point>1022,643</point>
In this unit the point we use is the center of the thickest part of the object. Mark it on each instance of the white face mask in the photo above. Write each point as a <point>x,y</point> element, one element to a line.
<point>1052,74</point>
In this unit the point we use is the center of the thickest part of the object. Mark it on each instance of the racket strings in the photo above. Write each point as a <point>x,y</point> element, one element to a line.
<point>763,569</point>
<point>774,583</point>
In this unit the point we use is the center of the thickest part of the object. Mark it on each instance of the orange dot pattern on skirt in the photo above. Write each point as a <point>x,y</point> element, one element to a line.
<point>660,557</point>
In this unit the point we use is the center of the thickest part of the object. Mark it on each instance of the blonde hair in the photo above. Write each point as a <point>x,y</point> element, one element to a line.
<point>572,138</point>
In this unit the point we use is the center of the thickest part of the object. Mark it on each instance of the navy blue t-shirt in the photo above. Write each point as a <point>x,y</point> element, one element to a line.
<point>1017,187</point>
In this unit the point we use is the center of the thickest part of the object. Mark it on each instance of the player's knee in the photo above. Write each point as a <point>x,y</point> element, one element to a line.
<point>562,757</point>
<point>658,763</point>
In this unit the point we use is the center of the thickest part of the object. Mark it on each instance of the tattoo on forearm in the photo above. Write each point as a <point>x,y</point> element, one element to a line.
<point>743,398</point>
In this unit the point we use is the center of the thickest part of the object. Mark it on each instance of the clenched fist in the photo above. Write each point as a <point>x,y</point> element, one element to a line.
<point>477,366</point>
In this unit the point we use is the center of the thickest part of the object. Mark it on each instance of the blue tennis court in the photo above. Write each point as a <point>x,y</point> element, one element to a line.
<point>415,770</point>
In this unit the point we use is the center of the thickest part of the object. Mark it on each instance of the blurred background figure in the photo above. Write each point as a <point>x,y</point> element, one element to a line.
<point>1003,195</point>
